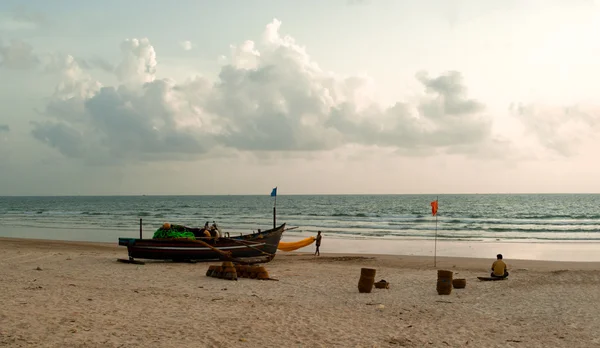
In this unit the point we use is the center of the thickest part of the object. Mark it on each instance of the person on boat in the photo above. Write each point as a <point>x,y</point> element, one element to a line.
<point>214,231</point>
<point>499,268</point>
<point>206,225</point>
<point>318,243</point>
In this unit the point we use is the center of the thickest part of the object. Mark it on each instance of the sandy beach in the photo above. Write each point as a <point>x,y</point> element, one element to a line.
<point>75,294</point>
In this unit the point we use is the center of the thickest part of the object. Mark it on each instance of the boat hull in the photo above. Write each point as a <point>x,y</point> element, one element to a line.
<point>245,246</point>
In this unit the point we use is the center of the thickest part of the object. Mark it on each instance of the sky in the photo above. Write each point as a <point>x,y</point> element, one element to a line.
<point>314,97</point>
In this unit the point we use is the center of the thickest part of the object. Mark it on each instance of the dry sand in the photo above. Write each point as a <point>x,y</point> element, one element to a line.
<point>81,297</point>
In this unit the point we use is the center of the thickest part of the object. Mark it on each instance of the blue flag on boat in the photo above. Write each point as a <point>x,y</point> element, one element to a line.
<point>274,192</point>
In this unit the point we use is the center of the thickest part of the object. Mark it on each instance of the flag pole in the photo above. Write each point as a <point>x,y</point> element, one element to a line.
<point>435,240</point>
<point>274,209</point>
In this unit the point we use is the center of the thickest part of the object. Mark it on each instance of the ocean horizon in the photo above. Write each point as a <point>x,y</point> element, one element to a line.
<point>467,217</point>
<point>309,194</point>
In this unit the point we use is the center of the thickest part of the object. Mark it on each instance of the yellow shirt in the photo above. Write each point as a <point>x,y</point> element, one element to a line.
<point>499,267</point>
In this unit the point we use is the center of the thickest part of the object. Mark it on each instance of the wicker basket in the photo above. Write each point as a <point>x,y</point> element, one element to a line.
<point>218,272</point>
<point>444,287</point>
<point>243,271</point>
<point>366,280</point>
<point>229,273</point>
<point>444,274</point>
<point>459,283</point>
<point>368,272</point>
<point>261,273</point>
<point>382,284</point>
<point>252,272</point>
<point>210,270</point>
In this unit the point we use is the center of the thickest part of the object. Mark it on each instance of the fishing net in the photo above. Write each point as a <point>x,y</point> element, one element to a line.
<point>174,231</point>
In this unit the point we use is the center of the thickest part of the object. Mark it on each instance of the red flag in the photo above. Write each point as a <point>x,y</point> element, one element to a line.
<point>434,207</point>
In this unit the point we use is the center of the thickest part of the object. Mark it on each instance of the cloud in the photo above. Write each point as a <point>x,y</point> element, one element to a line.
<point>21,19</point>
<point>186,45</point>
<point>444,117</point>
<point>106,124</point>
<point>270,96</point>
<point>18,55</point>
<point>560,129</point>
<point>102,64</point>
<point>54,63</point>
<point>139,62</point>
<point>4,128</point>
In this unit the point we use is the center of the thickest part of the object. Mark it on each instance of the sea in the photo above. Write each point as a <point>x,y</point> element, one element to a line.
<point>468,217</point>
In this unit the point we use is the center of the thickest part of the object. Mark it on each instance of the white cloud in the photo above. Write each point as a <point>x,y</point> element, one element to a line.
<point>186,45</point>
<point>269,96</point>
<point>139,62</point>
<point>560,129</point>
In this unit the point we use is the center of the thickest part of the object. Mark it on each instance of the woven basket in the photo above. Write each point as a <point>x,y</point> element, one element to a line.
<point>382,285</point>
<point>243,271</point>
<point>366,280</point>
<point>444,274</point>
<point>210,270</point>
<point>252,272</point>
<point>229,273</point>
<point>218,272</point>
<point>459,283</point>
<point>443,287</point>
<point>262,274</point>
<point>368,272</point>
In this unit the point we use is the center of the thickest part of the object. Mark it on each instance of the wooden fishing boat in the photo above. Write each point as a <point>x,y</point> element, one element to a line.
<point>262,245</point>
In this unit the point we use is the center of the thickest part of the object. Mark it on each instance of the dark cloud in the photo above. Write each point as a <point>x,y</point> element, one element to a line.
<point>131,124</point>
<point>4,128</point>
<point>66,139</point>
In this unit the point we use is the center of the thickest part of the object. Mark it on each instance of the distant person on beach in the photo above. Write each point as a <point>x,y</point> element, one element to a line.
<point>499,269</point>
<point>318,243</point>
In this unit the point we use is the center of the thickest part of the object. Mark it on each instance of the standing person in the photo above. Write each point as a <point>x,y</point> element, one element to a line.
<point>318,244</point>
<point>499,269</point>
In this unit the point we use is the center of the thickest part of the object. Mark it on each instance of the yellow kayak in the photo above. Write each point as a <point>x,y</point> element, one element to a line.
<point>291,246</point>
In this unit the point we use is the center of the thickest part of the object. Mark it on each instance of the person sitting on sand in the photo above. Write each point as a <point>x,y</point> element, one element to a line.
<point>318,243</point>
<point>499,269</point>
